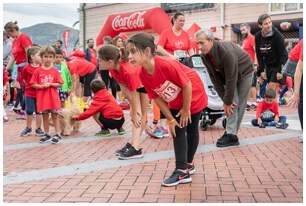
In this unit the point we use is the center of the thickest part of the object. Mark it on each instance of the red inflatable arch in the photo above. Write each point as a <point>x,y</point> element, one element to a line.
<point>155,19</point>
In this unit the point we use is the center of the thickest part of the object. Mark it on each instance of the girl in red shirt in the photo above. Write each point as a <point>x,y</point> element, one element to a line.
<point>128,78</point>
<point>174,41</point>
<point>46,80</point>
<point>179,93</point>
<point>21,43</point>
<point>34,62</point>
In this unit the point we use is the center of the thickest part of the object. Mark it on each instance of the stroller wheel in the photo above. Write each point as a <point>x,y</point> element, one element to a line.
<point>204,125</point>
<point>224,123</point>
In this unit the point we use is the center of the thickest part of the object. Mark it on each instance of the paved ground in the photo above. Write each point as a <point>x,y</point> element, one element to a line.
<point>266,167</point>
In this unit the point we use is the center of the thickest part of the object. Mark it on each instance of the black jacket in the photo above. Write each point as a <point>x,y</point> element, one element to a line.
<point>270,51</point>
<point>230,65</point>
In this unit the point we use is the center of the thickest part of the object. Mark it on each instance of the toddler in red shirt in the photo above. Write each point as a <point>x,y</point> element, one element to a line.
<point>34,62</point>
<point>106,111</point>
<point>267,112</point>
<point>46,80</point>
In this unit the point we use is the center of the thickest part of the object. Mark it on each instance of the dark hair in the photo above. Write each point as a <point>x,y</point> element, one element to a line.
<point>96,85</point>
<point>175,16</point>
<point>32,51</point>
<point>89,40</point>
<point>143,40</point>
<point>111,52</point>
<point>58,51</point>
<point>108,40</point>
<point>47,50</point>
<point>270,93</point>
<point>262,17</point>
<point>60,41</point>
<point>11,25</point>
<point>117,38</point>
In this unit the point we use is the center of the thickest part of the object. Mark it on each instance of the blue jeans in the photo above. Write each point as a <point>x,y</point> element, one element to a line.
<point>271,123</point>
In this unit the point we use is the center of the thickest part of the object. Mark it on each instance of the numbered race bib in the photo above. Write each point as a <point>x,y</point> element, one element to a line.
<point>180,53</point>
<point>168,91</point>
<point>197,62</point>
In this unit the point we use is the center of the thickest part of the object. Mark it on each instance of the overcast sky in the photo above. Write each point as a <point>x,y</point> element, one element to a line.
<point>28,14</point>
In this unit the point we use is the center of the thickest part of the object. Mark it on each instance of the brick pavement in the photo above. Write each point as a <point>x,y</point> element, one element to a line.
<point>262,172</point>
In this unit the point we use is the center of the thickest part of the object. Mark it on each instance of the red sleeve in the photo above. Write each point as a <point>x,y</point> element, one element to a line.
<point>5,77</point>
<point>71,66</point>
<point>34,79</point>
<point>259,110</point>
<point>94,107</point>
<point>162,39</point>
<point>25,41</point>
<point>58,78</point>
<point>301,54</point>
<point>275,109</point>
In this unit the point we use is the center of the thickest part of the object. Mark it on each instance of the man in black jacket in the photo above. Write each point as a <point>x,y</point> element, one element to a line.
<point>231,71</point>
<point>270,50</point>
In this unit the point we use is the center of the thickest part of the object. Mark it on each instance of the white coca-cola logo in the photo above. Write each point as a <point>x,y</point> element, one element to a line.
<point>135,20</point>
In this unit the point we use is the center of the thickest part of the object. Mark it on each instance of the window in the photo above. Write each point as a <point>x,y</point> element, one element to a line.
<point>174,7</point>
<point>285,7</point>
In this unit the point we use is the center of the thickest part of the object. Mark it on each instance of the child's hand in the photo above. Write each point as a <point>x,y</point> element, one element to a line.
<point>74,117</point>
<point>259,121</point>
<point>172,124</point>
<point>276,119</point>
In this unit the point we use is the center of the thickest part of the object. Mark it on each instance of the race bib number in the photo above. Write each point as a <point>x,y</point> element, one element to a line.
<point>180,53</point>
<point>168,91</point>
<point>197,62</point>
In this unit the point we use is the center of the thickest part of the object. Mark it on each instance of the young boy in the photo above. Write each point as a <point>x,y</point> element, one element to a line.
<point>47,80</point>
<point>61,66</point>
<point>267,112</point>
<point>34,62</point>
<point>106,111</point>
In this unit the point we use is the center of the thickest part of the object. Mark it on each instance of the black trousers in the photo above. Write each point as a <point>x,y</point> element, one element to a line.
<point>186,141</point>
<point>20,99</point>
<point>300,107</point>
<point>111,123</point>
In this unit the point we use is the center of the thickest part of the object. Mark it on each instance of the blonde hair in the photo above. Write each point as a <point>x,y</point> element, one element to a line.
<point>47,50</point>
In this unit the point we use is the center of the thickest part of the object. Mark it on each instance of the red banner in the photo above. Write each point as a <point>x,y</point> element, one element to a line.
<point>66,36</point>
<point>155,19</point>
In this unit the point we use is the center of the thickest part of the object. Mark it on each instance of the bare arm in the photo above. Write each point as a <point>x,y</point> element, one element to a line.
<point>164,52</point>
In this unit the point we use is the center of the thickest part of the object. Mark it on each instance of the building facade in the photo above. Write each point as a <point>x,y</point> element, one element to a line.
<point>223,18</point>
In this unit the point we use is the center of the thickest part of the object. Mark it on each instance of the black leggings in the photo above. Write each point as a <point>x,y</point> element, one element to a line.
<point>300,107</point>
<point>109,82</point>
<point>186,141</point>
<point>111,123</point>
<point>20,99</point>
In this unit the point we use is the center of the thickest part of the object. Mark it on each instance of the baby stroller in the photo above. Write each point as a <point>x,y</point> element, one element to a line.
<point>214,109</point>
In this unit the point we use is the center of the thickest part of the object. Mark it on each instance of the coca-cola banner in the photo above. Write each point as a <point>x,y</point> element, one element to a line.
<point>155,19</point>
<point>66,35</point>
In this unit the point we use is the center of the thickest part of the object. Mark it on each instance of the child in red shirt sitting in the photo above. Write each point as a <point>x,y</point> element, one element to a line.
<point>47,80</point>
<point>267,112</point>
<point>107,113</point>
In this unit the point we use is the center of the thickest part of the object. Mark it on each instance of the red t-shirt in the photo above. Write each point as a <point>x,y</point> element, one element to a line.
<point>5,77</point>
<point>301,53</point>
<point>168,80</point>
<point>128,76</point>
<point>248,45</point>
<point>27,74</point>
<point>170,42</point>
<point>80,66</point>
<point>264,106</point>
<point>47,98</point>
<point>295,52</point>
<point>105,103</point>
<point>18,48</point>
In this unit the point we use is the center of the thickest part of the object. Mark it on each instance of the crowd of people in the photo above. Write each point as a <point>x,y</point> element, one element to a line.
<point>140,72</point>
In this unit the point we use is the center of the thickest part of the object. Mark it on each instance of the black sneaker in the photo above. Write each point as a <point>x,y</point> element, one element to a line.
<point>123,149</point>
<point>131,153</point>
<point>228,140</point>
<point>222,137</point>
<point>121,131</point>
<point>281,126</point>
<point>103,133</point>
<point>177,177</point>
<point>191,168</point>
<point>26,132</point>
<point>39,132</point>
<point>45,138</point>
<point>55,139</point>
